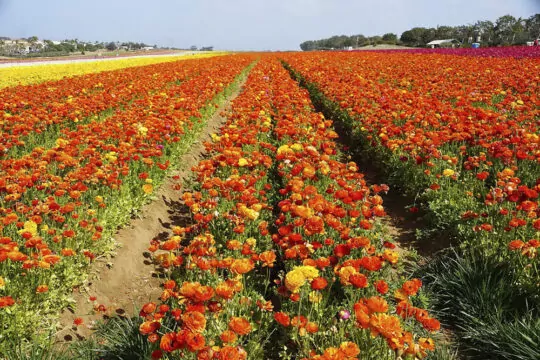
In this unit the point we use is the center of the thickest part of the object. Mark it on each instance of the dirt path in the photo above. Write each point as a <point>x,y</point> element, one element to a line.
<point>122,284</point>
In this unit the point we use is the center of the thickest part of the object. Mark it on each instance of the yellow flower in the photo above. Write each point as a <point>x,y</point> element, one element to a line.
<point>298,277</point>
<point>284,149</point>
<point>448,172</point>
<point>242,162</point>
<point>61,142</point>
<point>297,147</point>
<point>294,280</point>
<point>30,227</point>
<point>315,297</point>
<point>391,256</point>
<point>142,130</point>
<point>111,157</point>
<point>39,73</point>
<point>309,272</point>
<point>251,242</point>
<point>148,188</point>
<point>2,283</point>
<point>247,212</point>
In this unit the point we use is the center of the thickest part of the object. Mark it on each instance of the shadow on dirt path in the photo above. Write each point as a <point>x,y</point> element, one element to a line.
<point>130,279</point>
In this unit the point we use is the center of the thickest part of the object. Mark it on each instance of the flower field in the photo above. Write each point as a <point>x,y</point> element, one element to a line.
<point>25,75</point>
<point>62,201</point>
<point>286,253</point>
<point>279,216</point>
<point>461,132</point>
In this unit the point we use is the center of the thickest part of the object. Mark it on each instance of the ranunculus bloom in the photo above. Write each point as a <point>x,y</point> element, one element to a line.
<point>240,325</point>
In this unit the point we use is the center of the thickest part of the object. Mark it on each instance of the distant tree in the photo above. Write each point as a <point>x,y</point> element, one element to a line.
<point>532,26</point>
<point>390,38</point>
<point>91,47</point>
<point>207,48</point>
<point>444,32</point>
<point>359,40</point>
<point>428,35</point>
<point>504,29</point>
<point>111,46</point>
<point>485,32</point>
<point>193,48</point>
<point>413,37</point>
<point>464,33</point>
<point>307,45</point>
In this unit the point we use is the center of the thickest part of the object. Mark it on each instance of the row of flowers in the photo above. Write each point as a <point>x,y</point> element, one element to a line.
<point>460,132</point>
<point>35,74</point>
<point>517,52</point>
<point>28,113</point>
<point>284,235</point>
<point>60,206</point>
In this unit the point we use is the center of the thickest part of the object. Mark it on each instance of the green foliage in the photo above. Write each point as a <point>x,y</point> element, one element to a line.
<point>494,317</point>
<point>507,30</point>
<point>111,46</point>
<point>119,339</point>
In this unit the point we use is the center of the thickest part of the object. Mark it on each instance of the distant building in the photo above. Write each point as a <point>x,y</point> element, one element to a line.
<point>443,43</point>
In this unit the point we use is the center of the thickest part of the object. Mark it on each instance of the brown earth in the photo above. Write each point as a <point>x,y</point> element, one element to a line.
<point>128,280</point>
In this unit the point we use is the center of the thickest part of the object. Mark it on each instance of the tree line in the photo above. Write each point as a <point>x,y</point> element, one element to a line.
<point>32,46</point>
<point>506,30</point>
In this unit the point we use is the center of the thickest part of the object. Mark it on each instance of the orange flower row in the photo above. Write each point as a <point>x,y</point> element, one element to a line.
<point>28,111</point>
<point>444,126</point>
<point>60,206</point>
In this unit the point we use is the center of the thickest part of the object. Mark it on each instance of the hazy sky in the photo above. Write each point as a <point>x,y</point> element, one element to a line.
<point>240,24</point>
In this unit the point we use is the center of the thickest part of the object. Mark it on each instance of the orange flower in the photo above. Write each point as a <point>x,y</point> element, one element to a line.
<point>516,244</point>
<point>228,337</point>
<point>345,273</point>
<point>68,252</point>
<point>148,188</point>
<point>148,308</point>
<point>312,327</point>
<point>240,325</point>
<point>377,304</point>
<point>319,283</point>
<point>149,327</point>
<point>195,341</point>
<point>411,287</point>
<point>359,280</point>
<point>42,289</point>
<point>426,344</point>
<point>194,321</point>
<point>168,342</point>
<point>431,324</point>
<point>282,318</point>
<point>203,293</point>
<point>349,349</point>
<point>6,301</point>
<point>232,353</point>
<point>242,266</point>
<point>268,258</point>
<point>225,291</point>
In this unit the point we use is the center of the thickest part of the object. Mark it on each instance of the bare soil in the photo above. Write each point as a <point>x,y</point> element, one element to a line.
<point>127,281</point>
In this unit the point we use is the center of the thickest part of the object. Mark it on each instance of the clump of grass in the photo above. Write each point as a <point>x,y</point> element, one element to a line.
<point>493,317</point>
<point>118,339</point>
